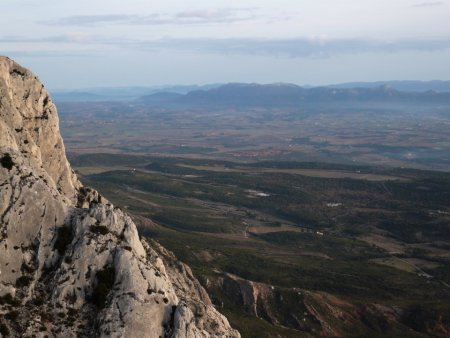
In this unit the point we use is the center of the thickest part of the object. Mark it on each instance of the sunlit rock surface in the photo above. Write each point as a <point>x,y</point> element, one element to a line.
<point>71,264</point>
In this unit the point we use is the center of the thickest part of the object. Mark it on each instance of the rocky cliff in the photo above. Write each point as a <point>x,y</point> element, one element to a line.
<point>72,264</point>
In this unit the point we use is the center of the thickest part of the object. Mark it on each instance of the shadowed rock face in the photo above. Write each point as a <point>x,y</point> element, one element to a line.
<point>71,264</point>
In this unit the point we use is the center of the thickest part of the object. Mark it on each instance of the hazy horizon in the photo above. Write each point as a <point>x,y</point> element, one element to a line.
<point>170,85</point>
<point>83,44</point>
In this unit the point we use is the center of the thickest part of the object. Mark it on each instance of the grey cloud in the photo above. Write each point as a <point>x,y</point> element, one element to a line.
<point>225,15</point>
<point>84,39</point>
<point>430,4</point>
<point>298,48</point>
<point>23,39</point>
<point>90,20</point>
<point>49,54</point>
<point>218,14</point>
<point>295,48</point>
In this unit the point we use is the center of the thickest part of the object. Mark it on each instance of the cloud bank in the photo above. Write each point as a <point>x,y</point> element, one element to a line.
<point>430,4</point>
<point>293,48</point>
<point>223,15</point>
<point>300,47</point>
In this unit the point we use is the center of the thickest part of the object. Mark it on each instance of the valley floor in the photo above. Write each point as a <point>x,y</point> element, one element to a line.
<point>296,249</point>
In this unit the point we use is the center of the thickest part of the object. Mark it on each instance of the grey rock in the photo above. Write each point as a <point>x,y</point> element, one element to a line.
<point>72,264</point>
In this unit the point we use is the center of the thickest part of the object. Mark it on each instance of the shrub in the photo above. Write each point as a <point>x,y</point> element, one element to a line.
<point>7,161</point>
<point>38,301</point>
<point>63,239</point>
<point>4,330</point>
<point>105,282</point>
<point>13,315</point>
<point>72,312</point>
<point>421,318</point>
<point>8,299</point>
<point>23,281</point>
<point>99,229</point>
<point>26,268</point>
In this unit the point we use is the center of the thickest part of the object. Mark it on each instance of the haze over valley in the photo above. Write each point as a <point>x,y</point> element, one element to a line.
<point>249,122</point>
<point>331,200</point>
<point>226,169</point>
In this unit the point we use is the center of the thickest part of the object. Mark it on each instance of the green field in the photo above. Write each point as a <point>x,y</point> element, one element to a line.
<point>291,225</point>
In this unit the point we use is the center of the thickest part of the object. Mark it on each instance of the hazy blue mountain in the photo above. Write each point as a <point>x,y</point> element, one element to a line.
<point>99,94</point>
<point>184,89</point>
<point>76,96</point>
<point>289,95</point>
<point>160,97</point>
<point>405,86</point>
<point>244,94</point>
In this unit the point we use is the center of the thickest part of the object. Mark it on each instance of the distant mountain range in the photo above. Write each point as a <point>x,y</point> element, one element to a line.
<point>289,95</point>
<point>269,94</point>
<point>121,93</point>
<point>404,86</point>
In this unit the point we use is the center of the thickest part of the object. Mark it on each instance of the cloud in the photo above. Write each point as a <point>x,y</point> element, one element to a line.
<point>49,54</point>
<point>224,15</point>
<point>25,39</point>
<point>430,4</point>
<point>91,20</point>
<point>72,38</point>
<point>299,47</point>
<point>217,14</point>
<point>294,48</point>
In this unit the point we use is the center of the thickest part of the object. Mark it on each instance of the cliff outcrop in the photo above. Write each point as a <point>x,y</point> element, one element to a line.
<point>72,264</point>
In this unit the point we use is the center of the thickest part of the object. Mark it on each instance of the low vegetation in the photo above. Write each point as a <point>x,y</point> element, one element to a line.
<point>4,330</point>
<point>7,161</point>
<point>64,237</point>
<point>99,229</point>
<point>8,299</point>
<point>23,281</point>
<point>274,223</point>
<point>104,282</point>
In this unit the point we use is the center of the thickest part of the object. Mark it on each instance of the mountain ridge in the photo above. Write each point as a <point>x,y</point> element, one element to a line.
<point>400,85</point>
<point>132,93</point>
<point>289,95</point>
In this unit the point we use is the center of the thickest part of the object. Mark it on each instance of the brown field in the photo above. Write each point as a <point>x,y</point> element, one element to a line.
<point>305,172</point>
<point>386,243</point>
<point>268,229</point>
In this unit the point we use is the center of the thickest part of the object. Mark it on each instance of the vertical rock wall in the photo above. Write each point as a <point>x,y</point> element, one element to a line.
<point>71,264</point>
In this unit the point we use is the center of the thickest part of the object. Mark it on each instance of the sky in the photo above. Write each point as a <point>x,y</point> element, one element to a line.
<point>104,43</point>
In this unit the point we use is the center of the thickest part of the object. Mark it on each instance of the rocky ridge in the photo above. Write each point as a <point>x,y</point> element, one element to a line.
<point>72,264</point>
<point>321,314</point>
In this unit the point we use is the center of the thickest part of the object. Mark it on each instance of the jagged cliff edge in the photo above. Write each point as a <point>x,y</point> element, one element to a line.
<point>71,264</point>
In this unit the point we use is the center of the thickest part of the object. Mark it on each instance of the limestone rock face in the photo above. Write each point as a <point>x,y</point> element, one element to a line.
<point>29,125</point>
<point>71,264</point>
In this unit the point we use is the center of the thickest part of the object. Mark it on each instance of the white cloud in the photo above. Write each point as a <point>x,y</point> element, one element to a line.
<point>317,47</point>
<point>224,15</point>
<point>430,4</point>
<point>274,38</point>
